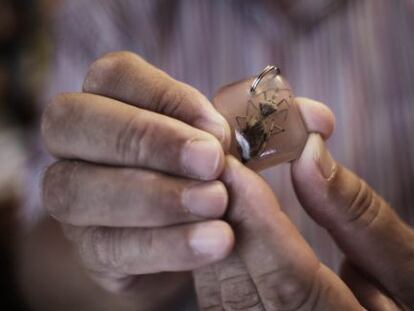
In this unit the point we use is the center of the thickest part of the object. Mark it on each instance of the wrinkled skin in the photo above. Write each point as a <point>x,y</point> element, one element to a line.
<point>142,186</point>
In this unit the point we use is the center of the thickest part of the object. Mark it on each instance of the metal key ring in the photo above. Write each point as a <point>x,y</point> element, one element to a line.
<point>261,75</point>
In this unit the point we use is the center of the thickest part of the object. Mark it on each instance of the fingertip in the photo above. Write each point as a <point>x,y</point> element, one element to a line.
<point>237,174</point>
<point>318,117</point>
<point>232,167</point>
<point>204,116</point>
<point>203,158</point>
<point>206,199</point>
<point>221,161</point>
<point>305,168</point>
<point>226,142</point>
<point>217,126</point>
<point>222,199</point>
<point>232,163</point>
<point>306,178</point>
<point>248,191</point>
<point>228,239</point>
<point>220,164</point>
<point>214,239</point>
<point>312,175</point>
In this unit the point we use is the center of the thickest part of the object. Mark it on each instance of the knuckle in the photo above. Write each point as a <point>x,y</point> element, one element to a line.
<point>239,293</point>
<point>205,285</point>
<point>170,97</point>
<point>131,250</point>
<point>284,290</point>
<point>175,99</point>
<point>146,244</point>
<point>56,111</point>
<point>115,249</point>
<point>364,207</point>
<point>134,140</point>
<point>111,253</point>
<point>107,70</point>
<point>58,190</point>
<point>99,248</point>
<point>208,298</point>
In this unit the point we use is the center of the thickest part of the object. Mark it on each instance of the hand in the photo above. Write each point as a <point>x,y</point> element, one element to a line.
<point>273,268</point>
<point>134,186</point>
<point>378,245</point>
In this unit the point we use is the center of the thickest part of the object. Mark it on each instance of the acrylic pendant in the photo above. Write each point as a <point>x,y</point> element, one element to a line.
<point>266,124</point>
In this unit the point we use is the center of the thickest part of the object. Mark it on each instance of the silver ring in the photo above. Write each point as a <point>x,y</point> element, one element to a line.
<point>261,75</point>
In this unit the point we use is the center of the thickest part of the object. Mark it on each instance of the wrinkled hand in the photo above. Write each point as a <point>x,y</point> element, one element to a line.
<point>273,268</point>
<point>134,186</point>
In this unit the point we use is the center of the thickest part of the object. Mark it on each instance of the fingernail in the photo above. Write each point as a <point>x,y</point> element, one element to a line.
<point>323,158</point>
<point>316,152</point>
<point>210,239</point>
<point>201,158</point>
<point>206,199</point>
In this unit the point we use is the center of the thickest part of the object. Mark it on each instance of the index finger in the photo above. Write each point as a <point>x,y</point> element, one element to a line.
<point>126,77</point>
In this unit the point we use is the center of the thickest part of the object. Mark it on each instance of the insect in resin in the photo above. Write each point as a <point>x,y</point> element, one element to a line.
<point>262,121</point>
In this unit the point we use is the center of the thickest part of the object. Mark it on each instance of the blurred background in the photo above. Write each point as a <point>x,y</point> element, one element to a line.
<point>356,56</point>
<point>24,52</point>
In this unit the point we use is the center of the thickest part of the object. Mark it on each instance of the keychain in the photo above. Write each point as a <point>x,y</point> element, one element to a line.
<point>266,124</point>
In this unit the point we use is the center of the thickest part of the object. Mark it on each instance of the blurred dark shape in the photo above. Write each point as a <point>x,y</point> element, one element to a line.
<point>20,36</point>
<point>10,298</point>
<point>22,57</point>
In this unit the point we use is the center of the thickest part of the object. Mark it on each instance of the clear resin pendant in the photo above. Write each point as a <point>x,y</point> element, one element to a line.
<point>267,127</point>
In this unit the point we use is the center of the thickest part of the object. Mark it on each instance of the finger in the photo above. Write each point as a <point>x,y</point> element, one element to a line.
<point>98,129</point>
<point>317,116</point>
<point>238,291</point>
<point>151,250</point>
<point>286,272</point>
<point>365,227</point>
<point>174,284</point>
<point>128,78</point>
<point>207,288</point>
<point>367,292</point>
<point>85,194</point>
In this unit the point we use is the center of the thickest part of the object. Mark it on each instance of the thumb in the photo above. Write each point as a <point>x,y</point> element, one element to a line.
<point>364,226</point>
